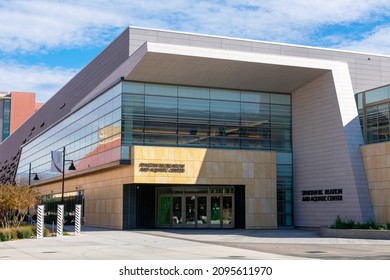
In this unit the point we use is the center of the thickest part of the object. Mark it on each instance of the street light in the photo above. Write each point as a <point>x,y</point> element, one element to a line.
<point>71,167</point>
<point>36,178</point>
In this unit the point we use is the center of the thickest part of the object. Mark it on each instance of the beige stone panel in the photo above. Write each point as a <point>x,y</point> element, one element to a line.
<point>253,205</point>
<point>239,170</point>
<point>221,170</point>
<point>248,170</point>
<point>200,154</point>
<point>225,155</point>
<point>380,197</point>
<point>267,206</point>
<point>232,167</point>
<point>380,149</point>
<point>381,214</point>
<point>250,190</point>
<point>239,157</point>
<point>220,181</point>
<point>151,153</point>
<point>190,154</point>
<point>238,181</point>
<point>145,180</point>
<point>202,180</point>
<point>116,221</point>
<point>268,220</point>
<point>184,180</point>
<point>189,169</point>
<point>89,206</point>
<point>198,165</point>
<point>117,206</point>
<point>164,180</point>
<point>382,161</point>
<point>371,175</point>
<point>252,220</point>
<point>270,171</point>
<point>227,170</point>
<point>90,219</point>
<point>257,188</point>
<point>387,147</point>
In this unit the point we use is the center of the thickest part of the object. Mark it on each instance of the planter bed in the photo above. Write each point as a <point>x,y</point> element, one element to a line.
<point>355,233</point>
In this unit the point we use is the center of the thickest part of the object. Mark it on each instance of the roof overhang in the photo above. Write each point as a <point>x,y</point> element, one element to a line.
<point>195,66</point>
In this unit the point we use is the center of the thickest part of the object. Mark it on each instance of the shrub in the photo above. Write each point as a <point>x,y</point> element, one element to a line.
<point>343,224</point>
<point>350,224</point>
<point>24,232</point>
<point>8,234</point>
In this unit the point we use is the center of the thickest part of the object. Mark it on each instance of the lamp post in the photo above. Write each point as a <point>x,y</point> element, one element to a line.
<point>36,178</point>
<point>71,167</point>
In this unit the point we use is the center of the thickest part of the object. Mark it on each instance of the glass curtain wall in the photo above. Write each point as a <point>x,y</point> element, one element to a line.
<point>202,117</point>
<point>167,115</point>
<point>374,113</point>
<point>91,137</point>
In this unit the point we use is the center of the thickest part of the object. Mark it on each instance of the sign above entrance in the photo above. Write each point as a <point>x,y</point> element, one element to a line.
<point>161,167</point>
<point>322,195</point>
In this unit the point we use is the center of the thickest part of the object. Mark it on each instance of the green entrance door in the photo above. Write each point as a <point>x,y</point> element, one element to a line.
<point>196,210</point>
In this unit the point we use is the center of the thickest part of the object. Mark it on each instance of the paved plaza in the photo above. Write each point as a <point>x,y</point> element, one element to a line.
<point>281,244</point>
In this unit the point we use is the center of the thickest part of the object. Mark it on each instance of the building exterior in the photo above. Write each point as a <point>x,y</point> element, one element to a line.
<point>179,130</point>
<point>15,109</point>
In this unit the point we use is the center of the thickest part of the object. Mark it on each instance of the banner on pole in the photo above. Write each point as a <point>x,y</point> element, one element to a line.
<point>56,161</point>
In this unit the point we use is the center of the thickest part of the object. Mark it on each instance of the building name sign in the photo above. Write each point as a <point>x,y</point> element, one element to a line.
<point>322,195</point>
<point>161,167</point>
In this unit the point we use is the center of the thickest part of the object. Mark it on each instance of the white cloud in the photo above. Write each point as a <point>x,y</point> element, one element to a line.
<point>42,80</point>
<point>42,26</point>
<point>377,41</point>
<point>35,25</point>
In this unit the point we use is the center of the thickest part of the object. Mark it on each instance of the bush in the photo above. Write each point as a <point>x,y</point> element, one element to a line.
<point>350,224</point>
<point>8,234</point>
<point>24,232</point>
<point>20,233</point>
<point>343,224</point>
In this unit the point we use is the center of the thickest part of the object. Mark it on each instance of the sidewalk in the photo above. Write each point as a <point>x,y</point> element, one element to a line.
<point>104,244</point>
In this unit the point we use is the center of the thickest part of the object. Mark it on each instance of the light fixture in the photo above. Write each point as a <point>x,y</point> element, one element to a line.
<point>72,167</point>
<point>36,178</point>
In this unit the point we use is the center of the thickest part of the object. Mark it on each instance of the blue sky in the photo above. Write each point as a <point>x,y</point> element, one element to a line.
<point>43,44</point>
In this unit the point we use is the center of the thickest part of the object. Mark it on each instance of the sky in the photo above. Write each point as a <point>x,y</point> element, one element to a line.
<point>43,44</point>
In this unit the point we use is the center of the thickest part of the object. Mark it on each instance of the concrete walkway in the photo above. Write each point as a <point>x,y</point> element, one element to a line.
<point>101,244</point>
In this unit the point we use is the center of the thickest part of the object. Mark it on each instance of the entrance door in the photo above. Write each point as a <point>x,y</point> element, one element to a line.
<point>201,212</point>
<point>222,211</point>
<point>177,215</point>
<point>190,210</point>
<point>227,211</point>
<point>196,210</point>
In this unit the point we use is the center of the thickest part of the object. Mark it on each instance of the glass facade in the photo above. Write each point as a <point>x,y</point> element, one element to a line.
<point>374,113</point>
<point>91,137</point>
<point>182,116</point>
<point>203,117</point>
<point>133,113</point>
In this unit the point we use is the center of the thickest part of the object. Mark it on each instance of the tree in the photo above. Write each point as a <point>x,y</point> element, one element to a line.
<point>15,201</point>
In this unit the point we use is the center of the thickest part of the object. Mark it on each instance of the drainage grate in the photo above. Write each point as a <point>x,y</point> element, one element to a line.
<point>315,252</point>
<point>49,252</point>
